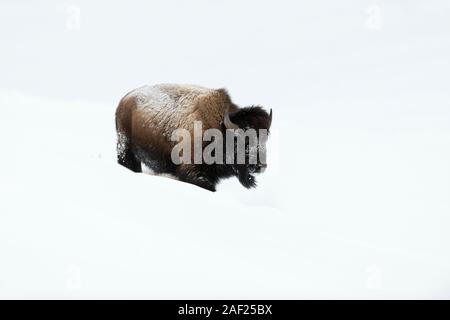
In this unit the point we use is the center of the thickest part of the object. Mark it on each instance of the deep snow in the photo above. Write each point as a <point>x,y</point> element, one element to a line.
<point>355,202</point>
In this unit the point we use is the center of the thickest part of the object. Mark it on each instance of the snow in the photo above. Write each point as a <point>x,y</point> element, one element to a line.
<point>355,200</point>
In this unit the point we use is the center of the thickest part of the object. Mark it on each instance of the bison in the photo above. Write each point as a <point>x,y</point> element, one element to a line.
<point>147,117</point>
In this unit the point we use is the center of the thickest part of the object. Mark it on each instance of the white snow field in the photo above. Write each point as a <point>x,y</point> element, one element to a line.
<point>355,202</point>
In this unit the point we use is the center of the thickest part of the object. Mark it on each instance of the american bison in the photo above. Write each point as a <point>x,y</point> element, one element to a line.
<point>147,117</point>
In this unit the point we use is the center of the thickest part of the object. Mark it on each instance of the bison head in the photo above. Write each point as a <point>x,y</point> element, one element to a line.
<point>250,128</point>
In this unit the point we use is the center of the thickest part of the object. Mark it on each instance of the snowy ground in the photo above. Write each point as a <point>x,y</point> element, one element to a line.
<point>356,199</point>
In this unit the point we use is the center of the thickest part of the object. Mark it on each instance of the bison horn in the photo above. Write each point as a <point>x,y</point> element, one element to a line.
<point>227,122</point>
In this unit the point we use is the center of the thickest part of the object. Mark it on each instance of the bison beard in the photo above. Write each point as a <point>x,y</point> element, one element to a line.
<point>147,116</point>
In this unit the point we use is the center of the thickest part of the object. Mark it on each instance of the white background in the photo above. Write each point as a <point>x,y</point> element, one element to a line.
<point>355,202</point>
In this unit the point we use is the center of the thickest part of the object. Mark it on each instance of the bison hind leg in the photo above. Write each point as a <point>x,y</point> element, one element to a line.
<point>126,156</point>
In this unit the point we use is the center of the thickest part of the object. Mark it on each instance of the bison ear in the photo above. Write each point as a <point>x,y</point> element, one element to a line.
<point>227,122</point>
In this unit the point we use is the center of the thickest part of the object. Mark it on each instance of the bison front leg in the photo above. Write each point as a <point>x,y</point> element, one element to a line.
<point>192,174</point>
<point>246,179</point>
